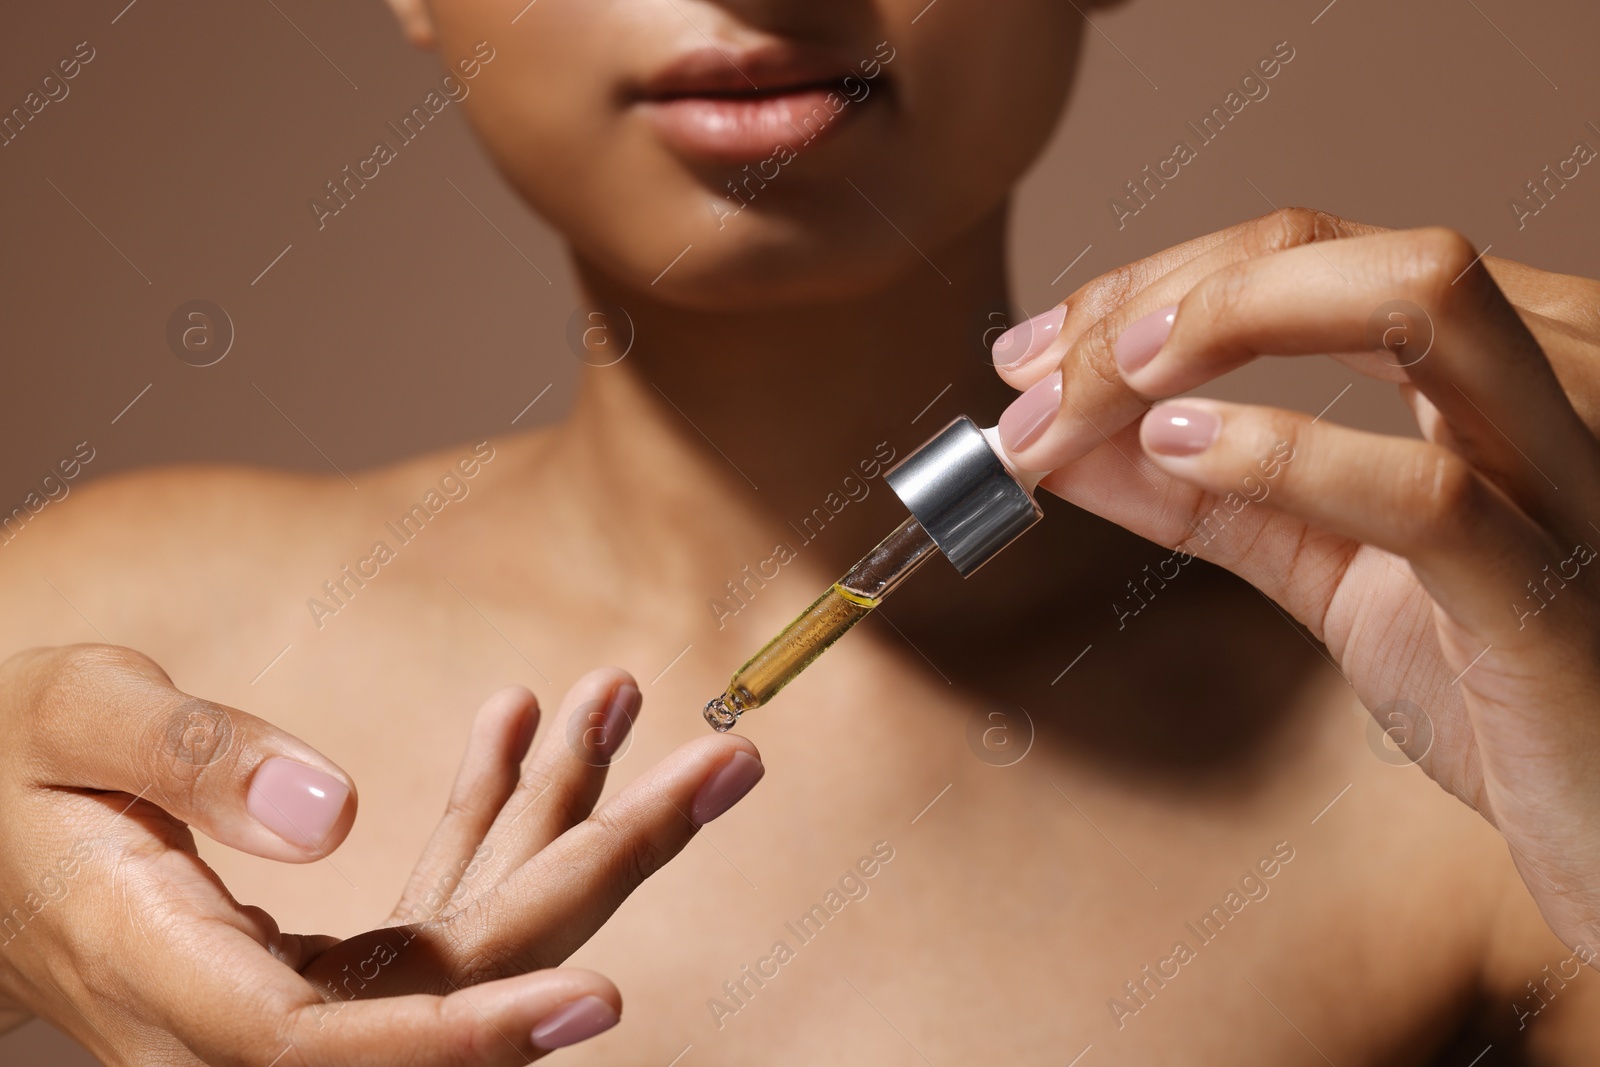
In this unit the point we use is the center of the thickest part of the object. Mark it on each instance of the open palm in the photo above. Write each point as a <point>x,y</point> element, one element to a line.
<point>134,945</point>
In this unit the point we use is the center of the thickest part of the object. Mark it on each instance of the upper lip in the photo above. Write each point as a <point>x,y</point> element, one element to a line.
<point>766,69</point>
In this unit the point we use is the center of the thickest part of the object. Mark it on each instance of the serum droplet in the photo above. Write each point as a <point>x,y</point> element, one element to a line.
<point>720,716</point>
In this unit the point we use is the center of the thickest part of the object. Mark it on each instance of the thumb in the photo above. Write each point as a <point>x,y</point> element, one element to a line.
<point>103,717</point>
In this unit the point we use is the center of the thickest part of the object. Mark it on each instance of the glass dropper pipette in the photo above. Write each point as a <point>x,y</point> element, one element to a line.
<point>966,502</point>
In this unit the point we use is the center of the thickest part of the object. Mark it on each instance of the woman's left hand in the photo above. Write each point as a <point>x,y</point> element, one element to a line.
<point>1454,574</point>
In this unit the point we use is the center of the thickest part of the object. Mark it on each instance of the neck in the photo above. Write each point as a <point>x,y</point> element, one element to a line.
<point>762,415</point>
<point>792,398</point>
<point>721,435</point>
<point>733,433</point>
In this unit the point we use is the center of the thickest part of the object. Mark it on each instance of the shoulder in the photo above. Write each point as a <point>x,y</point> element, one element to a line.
<point>172,556</point>
<point>147,514</point>
<point>201,515</point>
<point>96,560</point>
<point>168,516</point>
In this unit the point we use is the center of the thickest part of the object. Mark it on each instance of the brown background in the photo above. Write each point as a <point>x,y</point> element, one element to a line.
<point>194,139</point>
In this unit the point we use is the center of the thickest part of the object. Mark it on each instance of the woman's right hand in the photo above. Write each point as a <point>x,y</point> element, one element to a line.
<point>113,929</point>
<point>1444,575</point>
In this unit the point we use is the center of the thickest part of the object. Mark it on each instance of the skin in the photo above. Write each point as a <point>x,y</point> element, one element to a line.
<point>1016,905</point>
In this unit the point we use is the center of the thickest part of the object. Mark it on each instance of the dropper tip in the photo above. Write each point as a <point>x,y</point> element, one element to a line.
<point>720,715</point>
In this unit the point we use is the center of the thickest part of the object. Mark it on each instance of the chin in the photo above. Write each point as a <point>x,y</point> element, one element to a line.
<point>760,263</point>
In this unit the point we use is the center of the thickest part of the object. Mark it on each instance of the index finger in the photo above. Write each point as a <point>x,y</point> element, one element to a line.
<point>542,911</point>
<point>1031,349</point>
<point>497,1024</point>
<point>555,902</point>
<point>1075,399</point>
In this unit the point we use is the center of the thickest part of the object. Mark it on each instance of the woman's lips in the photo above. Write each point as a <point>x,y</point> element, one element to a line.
<point>739,106</point>
<point>745,129</point>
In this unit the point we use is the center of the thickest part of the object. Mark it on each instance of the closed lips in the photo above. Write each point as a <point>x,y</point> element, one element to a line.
<point>712,72</point>
<point>733,109</point>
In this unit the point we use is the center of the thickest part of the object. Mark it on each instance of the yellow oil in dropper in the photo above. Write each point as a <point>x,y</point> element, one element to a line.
<point>966,502</point>
<point>847,602</point>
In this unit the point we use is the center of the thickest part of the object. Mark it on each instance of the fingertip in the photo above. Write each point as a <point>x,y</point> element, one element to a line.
<point>1180,429</point>
<point>535,1012</point>
<point>509,717</point>
<point>575,1021</point>
<point>506,702</point>
<point>344,823</point>
<point>1016,350</point>
<point>727,784</point>
<point>717,749</point>
<point>581,981</point>
<point>1027,418</point>
<point>310,809</point>
<point>746,745</point>
<point>588,1006</point>
<point>1141,341</point>
<point>600,709</point>
<point>605,680</point>
<point>622,709</point>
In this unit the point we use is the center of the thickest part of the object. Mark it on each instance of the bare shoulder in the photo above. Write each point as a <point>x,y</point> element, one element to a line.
<point>144,514</point>
<point>170,557</point>
<point>96,562</point>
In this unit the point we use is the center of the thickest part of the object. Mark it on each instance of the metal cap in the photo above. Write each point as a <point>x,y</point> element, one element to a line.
<point>963,495</point>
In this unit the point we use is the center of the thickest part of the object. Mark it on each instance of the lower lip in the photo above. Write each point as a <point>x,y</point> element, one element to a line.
<point>734,130</point>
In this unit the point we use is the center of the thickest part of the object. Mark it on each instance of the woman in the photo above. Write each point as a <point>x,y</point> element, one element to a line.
<point>1200,832</point>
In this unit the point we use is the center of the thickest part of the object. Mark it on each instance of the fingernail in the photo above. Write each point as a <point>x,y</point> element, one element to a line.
<point>577,1021</point>
<point>1138,344</point>
<point>1025,419</point>
<point>619,716</point>
<point>1027,339</point>
<point>298,803</point>
<point>725,787</point>
<point>1179,430</point>
<point>525,732</point>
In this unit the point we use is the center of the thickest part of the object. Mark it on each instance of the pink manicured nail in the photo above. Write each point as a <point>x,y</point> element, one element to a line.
<point>620,713</point>
<point>1027,339</point>
<point>1180,430</point>
<point>578,1021</point>
<point>1029,414</point>
<point>725,787</point>
<point>298,803</point>
<point>1138,344</point>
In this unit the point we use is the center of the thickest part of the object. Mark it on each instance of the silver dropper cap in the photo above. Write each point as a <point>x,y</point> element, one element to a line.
<point>964,495</point>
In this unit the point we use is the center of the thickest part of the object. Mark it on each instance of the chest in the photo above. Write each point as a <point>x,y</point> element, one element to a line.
<point>903,885</point>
